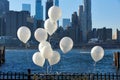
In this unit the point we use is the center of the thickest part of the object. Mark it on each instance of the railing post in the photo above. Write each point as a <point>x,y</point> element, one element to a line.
<point>29,74</point>
<point>109,76</point>
<point>93,76</point>
<point>113,76</point>
<point>11,75</point>
<point>3,75</point>
<point>100,76</point>
<point>15,75</point>
<point>7,75</point>
<point>23,75</point>
<point>105,76</point>
<point>97,76</point>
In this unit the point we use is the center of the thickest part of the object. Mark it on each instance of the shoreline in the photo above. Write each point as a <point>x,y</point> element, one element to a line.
<point>81,46</point>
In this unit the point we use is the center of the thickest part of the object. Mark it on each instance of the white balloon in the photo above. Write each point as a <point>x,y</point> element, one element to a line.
<point>43,44</point>
<point>54,13</point>
<point>50,26</point>
<point>24,34</point>
<point>40,35</point>
<point>47,52</point>
<point>38,59</point>
<point>97,53</point>
<point>66,44</point>
<point>55,58</point>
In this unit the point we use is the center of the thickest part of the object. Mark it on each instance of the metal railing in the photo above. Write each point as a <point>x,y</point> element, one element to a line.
<point>61,76</point>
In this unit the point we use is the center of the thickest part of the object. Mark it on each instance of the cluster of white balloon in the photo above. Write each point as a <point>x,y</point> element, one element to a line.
<point>45,49</point>
<point>41,35</point>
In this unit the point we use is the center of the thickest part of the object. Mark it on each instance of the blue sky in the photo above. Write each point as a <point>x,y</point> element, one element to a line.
<point>105,13</point>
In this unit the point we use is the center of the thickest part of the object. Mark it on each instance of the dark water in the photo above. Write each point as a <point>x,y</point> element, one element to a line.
<point>75,61</point>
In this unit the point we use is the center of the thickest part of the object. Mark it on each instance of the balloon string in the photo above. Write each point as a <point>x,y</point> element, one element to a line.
<point>47,60</point>
<point>49,39</point>
<point>47,67</point>
<point>94,66</point>
<point>26,47</point>
<point>51,68</point>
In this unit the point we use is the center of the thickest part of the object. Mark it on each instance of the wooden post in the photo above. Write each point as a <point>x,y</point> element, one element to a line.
<point>2,55</point>
<point>116,59</point>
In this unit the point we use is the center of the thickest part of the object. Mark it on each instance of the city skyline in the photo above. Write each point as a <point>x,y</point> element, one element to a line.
<point>101,11</point>
<point>81,23</point>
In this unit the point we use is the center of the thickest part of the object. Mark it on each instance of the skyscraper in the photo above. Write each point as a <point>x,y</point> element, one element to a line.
<point>4,7</point>
<point>26,7</point>
<point>56,2</point>
<point>85,20</point>
<point>39,10</point>
<point>76,27</point>
<point>38,20</point>
<point>118,35</point>
<point>49,3</point>
<point>2,26</point>
<point>14,20</point>
<point>87,15</point>
<point>66,22</point>
<point>104,34</point>
<point>82,23</point>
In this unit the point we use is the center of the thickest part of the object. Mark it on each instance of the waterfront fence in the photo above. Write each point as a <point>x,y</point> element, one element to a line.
<point>61,76</point>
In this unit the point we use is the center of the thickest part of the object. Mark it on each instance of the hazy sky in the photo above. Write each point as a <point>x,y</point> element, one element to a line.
<point>105,13</point>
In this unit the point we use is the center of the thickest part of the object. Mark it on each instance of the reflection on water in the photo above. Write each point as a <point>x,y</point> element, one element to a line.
<point>75,61</point>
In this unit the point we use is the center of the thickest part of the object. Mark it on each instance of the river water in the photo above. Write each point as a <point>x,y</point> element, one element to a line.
<point>75,61</point>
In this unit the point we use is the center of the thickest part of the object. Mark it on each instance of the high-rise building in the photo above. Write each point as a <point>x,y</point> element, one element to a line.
<point>56,2</point>
<point>39,10</point>
<point>104,34</point>
<point>26,7</point>
<point>66,23</point>
<point>77,30</point>
<point>118,35</point>
<point>87,16</point>
<point>94,33</point>
<point>38,20</point>
<point>85,21</point>
<point>49,3</point>
<point>2,26</point>
<point>14,20</point>
<point>4,7</point>
<point>82,23</point>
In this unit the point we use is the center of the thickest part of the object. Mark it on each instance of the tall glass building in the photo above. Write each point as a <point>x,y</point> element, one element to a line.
<point>39,10</point>
<point>49,3</point>
<point>87,12</point>
<point>4,6</point>
<point>26,7</point>
<point>56,2</point>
